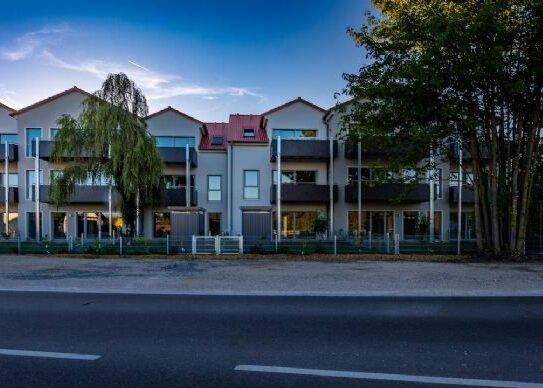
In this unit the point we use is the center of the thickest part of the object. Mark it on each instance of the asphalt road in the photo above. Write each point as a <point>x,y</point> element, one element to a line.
<point>172,340</point>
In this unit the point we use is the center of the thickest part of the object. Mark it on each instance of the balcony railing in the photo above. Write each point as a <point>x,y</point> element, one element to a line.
<point>46,149</point>
<point>82,194</point>
<point>303,192</point>
<point>386,192</point>
<point>304,150</point>
<point>13,194</point>
<point>176,155</point>
<point>468,196</point>
<point>13,152</point>
<point>177,197</point>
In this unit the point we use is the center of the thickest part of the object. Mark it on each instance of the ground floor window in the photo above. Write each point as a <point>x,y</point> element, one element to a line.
<point>12,223</point>
<point>92,224</point>
<point>59,225</point>
<point>296,224</point>
<point>416,224</point>
<point>31,224</point>
<point>162,224</point>
<point>468,225</point>
<point>378,223</point>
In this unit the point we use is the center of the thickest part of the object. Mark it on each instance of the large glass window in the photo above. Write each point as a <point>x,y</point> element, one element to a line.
<point>213,187</point>
<point>297,176</point>
<point>10,138</point>
<point>178,181</point>
<point>53,133</point>
<point>12,223</point>
<point>13,179</point>
<point>31,182</point>
<point>59,223</point>
<point>378,223</point>
<point>416,224</point>
<point>31,224</point>
<point>90,223</point>
<point>353,174</point>
<point>162,224</point>
<point>468,225</point>
<point>175,141</point>
<point>251,184</point>
<point>296,224</point>
<point>294,133</point>
<point>31,134</point>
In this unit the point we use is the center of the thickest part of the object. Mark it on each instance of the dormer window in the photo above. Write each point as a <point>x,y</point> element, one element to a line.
<point>249,132</point>
<point>216,140</point>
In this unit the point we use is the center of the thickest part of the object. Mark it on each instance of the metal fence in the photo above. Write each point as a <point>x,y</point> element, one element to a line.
<point>388,244</point>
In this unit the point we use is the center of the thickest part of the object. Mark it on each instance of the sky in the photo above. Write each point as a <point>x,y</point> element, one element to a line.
<point>207,58</point>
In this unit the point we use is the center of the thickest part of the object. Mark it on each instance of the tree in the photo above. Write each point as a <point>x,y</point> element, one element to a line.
<point>468,71</point>
<point>110,140</point>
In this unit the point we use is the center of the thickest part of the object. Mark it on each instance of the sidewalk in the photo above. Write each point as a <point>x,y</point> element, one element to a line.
<point>268,277</point>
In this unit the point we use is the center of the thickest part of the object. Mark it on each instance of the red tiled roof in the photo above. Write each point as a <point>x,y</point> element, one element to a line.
<point>232,132</point>
<point>170,109</point>
<point>10,110</point>
<point>49,99</point>
<point>296,100</point>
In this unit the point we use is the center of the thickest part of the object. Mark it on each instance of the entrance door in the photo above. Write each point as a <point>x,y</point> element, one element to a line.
<point>214,224</point>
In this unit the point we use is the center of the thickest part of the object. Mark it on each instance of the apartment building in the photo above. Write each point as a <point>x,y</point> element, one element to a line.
<point>221,178</point>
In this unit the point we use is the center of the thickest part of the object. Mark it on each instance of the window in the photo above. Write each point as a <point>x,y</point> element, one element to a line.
<point>12,223</point>
<point>417,224</point>
<point>53,133</point>
<point>353,174</point>
<point>162,225</point>
<point>468,225</point>
<point>216,140</point>
<point>294,133</point>
<point>177,181</point>
<point>175,141</point>
<point>250,184</point>
<point>31,134</point>
<point>13,180</point>
<point>59,222</point>
<point>248,132</point>
<point>10,138</point>
<point>298,176</point>
<point>90,181</point>
<point>31,182</point>
<point>296,224</point>
<point>467,178</point>
<point>378,223</point>
<point>409,175</point>
<point>31,224</point>
<point>213,187</point>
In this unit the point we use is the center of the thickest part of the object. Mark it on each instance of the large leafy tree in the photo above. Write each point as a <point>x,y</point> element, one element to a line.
<point>467,71</point>
<point>109,140</point>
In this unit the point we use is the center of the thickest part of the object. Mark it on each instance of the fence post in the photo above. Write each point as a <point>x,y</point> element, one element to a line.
<point>82,241</point>
<point>241,245</point>
<point>19,245</point>
<point>335,245</point>
<point>396,244</point>
<point>193,250</point>
<point>167,244</point>
<point>369,235</point>
<point>121,245</point>
<point>276,242</point>
<point>217,245</point>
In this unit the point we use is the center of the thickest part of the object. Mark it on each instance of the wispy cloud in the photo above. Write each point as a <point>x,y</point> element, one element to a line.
<point>155,84</point>
<point>27,44</point>
<point>7,97</point>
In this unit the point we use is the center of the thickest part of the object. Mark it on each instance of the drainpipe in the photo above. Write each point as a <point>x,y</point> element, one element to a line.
<point>109,197</point>
<point>187,176</point>
<point>431,183</point>
<point>331,184</point>
<point>229,174</point>
<point>460,179</point>
<point>37,188</point>
<point>278,187</point>
<point>359,183</point>
<point>6,183</point>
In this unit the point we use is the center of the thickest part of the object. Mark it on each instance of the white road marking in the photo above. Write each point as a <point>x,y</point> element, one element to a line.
<point>35,353</point>
<point>387,377</point>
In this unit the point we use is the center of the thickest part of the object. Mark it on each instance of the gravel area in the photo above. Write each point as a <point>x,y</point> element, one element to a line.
<point>269,276</point>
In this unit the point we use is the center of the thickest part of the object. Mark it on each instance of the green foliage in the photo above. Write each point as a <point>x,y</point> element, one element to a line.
<point>110,140</point>
<point>321,223</point>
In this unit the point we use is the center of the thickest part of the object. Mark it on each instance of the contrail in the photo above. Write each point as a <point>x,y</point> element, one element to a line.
<point>140,66</point>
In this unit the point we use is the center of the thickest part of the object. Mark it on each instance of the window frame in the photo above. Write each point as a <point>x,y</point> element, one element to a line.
<point>210,190</point>
<point>29,146</point>
<point>245,186</point>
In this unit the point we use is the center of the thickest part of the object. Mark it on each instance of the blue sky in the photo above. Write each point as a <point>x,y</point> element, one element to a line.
<point>207,58</point>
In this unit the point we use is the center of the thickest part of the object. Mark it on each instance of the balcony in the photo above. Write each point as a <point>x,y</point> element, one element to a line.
<point>303,150</point>
<point>388,192</point>
<point>46,149</point>
<point>13,152</point>
<point>82,194</point>
<point>13,194</point>
<point>176,155</point>
<point>176,197</point>
<point>303,193</point>
<point>468,196</point>
<point>368,151</point>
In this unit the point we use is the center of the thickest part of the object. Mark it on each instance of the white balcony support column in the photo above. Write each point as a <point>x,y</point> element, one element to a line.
<point>359,184</point>
<point>460,179</point>
<point>109,199</point>
<point>278,187</point>
<point>37,188</point>
<point>187,175</point>
<point>6,184</point>
<point>331,183</point>
<point>138,213</point>
<point>431,183</point>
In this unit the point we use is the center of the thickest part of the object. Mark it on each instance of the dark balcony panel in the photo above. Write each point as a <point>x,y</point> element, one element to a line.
<point>176,155</point>
<point>82,194</point>
<point>46,149</point>
<point>468,196</point>
<point>13,152</point>
<point>368,151</point>
<point>176,197</point>
<point>388,192</point>
<point>13,194</point>
<point>304,192</point>
<point>303,149</point>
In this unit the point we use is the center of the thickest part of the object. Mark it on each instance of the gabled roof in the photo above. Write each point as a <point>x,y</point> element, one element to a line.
<point>214,129</point>
<point>292,102</point>
<point>171,109</point>
<point>10,110</point>
<point>237,125</point>
<point>74,89</point>
<point>339,105</point>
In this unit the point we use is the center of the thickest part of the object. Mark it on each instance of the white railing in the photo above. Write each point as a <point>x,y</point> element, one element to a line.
<point>218,245</point>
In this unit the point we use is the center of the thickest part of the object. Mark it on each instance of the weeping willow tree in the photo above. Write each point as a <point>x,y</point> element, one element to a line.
<point>470,71</point>
<point>109,140</point>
